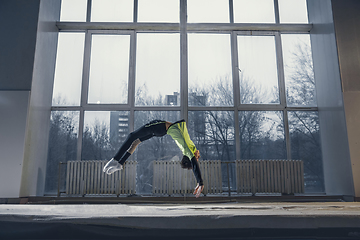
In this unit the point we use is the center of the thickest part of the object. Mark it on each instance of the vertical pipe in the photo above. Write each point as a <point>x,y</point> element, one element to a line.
<point>228,177</point>
<point>59,178</point>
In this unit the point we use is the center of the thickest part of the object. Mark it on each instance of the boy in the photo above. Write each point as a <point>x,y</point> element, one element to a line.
<point>159,128</point>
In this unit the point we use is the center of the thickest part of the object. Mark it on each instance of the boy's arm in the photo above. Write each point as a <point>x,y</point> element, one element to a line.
<point>196,170</point>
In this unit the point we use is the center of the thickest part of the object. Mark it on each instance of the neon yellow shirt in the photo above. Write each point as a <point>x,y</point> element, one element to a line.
<point>178,131</point>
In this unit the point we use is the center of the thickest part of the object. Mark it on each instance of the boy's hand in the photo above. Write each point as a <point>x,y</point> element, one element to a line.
<point>198,190</point>
<point>197,154</point>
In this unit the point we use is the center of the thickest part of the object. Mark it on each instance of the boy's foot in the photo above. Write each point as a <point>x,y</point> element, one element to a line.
<point>114,169</point>
<point>110,164</point>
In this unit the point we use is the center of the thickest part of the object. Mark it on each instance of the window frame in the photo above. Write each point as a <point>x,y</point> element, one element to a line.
<point>234,29</point>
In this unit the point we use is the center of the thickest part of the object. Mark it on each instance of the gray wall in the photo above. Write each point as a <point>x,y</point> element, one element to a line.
<point>334,139</point>
<point>13,111</point>
<point>18,25</point>
<point>38,121</point>
<point>27,63</point>
<point>347,30</point>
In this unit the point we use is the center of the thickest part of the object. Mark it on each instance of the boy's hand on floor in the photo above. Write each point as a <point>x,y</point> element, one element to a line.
<point>198,190</point>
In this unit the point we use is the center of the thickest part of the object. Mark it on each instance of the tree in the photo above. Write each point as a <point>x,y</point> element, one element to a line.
<point>62,145</point>
<point>304,125</point>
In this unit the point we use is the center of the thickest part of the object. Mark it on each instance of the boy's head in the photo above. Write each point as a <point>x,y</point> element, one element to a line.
<point>186,163</point>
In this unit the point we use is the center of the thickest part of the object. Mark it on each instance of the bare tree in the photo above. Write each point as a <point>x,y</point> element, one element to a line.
<point>62,145</point>
<point>304,125</point>
<point>300,76</point>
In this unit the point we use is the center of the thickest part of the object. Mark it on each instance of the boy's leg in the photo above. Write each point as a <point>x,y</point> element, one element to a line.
<point>138,134</point>
<point>130,151</point>
<point>118,161</point>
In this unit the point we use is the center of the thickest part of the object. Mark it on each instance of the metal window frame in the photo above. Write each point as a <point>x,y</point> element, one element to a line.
<point>231,28</point>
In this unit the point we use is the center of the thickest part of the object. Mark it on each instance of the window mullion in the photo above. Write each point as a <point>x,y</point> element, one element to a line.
<point>131,81</point>
<point>287,134</point>
<point>280,68</point>
<point>135,10</point>
<point>282,91</point>
<point>183,60</point>
<point>231,11</point>
<point>236,91</point>
<point>88,11</point>
<point>84,90</point>
<point>276,11</point>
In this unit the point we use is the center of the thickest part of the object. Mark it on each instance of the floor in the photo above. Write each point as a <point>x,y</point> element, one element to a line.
<point>199,220</point>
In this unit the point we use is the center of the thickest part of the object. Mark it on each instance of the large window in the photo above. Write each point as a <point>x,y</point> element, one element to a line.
<point>239,72</point>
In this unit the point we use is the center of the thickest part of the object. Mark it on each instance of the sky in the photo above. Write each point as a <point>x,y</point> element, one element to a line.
<point>158,55</point>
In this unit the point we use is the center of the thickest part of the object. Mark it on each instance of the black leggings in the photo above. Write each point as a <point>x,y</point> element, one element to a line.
<point>154,128</point>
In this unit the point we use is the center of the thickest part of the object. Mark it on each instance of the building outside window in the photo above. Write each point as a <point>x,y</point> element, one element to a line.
<point>239,71</point>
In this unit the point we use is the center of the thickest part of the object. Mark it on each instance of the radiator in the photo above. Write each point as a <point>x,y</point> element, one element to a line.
<point>269,176</point>
<point>87,177</point>
<point>169,178</point>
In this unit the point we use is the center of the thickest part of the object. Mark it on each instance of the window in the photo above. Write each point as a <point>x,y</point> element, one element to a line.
<point>258,69</point>
<point>109,69</point>
<point>294,11</point>
<point>68,69</point>
<point>298,68</point>
<point>214,11</point>
<point>254,11</point>
<point>102,134</point>
<point>112,10</point>
<point>305,145</point>
<point>63,137</point>
<point>210,78</point>
<point>73,11</point>
<point>245,86</point>
<point>159,11</point>
<point>262,135</point>
<point>158,69</point>
<point>213,134</point>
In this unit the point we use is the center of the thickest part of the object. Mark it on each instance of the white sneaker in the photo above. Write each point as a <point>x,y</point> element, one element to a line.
<point>109,164</point>
<point>111,170</point>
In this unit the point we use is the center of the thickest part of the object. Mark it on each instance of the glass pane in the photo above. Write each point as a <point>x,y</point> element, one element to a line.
<point>210,74</point>
<point>213,134</point>
<point>294,11</point>
<point>62,147</point>
<point>258,70</point>
<point>112,10</point>
<point>103,133</point>
<point>299,71</point>
<point>254,11</point>
<point>73,10</point>
<point>156,148</point>
<point>306,146</point>
<point>157,69</point>
<point>215,11</point>
<point>109,69</point>
<point>68,69</point>
<point>262,135</point>
<point>158,11</point>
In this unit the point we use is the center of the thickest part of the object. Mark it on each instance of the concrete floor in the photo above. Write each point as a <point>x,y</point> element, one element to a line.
<point>265,220</point>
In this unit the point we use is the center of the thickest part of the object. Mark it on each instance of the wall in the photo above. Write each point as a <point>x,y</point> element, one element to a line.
<point>13,109</point>
<point>347,22</point>
<point>37,134</point>
<point>18,22</point>
<point>333,131</point>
